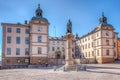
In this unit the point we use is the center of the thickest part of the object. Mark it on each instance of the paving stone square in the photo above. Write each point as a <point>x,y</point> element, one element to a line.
<point>94,72</point>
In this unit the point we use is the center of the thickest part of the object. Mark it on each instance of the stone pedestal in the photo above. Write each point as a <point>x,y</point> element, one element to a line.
<point>69,61</point>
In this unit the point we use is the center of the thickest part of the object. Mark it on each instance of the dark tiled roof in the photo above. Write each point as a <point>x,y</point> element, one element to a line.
<point>100,26</point>
<point>39,18</point>
<point>104,24</point>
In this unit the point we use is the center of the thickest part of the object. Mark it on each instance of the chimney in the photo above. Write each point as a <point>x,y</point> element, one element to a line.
<point>25,21</point>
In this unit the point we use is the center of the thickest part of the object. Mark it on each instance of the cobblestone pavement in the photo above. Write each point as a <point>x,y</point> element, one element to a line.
<point>94,72</point>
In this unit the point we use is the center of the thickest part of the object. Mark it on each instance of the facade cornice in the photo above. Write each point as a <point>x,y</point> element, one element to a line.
<point>14,25</point>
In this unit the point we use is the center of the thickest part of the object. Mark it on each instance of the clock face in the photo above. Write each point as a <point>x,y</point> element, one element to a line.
<point>39,29</point>
<point>107,33</point>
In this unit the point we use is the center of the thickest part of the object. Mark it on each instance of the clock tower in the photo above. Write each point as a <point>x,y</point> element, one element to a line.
<point>38,38</point>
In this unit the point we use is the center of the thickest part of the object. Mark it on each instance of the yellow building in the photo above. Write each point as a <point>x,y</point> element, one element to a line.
<point>57,50</point>
<point>30,44</point>
<point>100,45</point>
<point>25,44</point>
<point>119,48</point>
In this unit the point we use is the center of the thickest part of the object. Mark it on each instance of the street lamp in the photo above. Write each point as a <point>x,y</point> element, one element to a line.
<point>18,62</point>
<point>39,61</point>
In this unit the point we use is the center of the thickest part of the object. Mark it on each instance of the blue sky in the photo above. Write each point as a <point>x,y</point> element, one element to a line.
<point>84,14</point>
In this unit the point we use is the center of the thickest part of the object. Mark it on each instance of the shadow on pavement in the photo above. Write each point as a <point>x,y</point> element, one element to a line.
<point>104,72</point>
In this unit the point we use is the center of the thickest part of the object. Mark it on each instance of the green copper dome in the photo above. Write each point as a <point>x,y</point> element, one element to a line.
<point>38,18</point>
<point>104,24</point>
<point>39,14</point>
<point>103,21</point>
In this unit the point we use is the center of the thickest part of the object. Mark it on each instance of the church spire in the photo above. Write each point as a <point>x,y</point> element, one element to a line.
<point>39,6</point>
<point>103,19</point>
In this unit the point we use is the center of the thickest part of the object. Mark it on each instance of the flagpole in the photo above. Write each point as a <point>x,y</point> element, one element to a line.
<point>55,30</point>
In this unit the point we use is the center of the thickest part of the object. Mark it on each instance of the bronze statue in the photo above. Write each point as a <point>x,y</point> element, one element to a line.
<point>69,27</point>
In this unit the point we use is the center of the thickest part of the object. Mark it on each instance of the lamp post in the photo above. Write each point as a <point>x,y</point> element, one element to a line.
<point>39,61</point>
<point>18,63</point>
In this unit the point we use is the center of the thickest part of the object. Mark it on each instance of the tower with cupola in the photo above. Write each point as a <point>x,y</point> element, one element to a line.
<point>38,38</point>
<point>108,39</point>
<point>104,40</point>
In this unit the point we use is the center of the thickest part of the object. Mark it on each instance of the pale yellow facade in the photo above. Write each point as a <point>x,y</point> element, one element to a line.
<point>57,45</point>
<point>99,46</point>
<point>13,36</point>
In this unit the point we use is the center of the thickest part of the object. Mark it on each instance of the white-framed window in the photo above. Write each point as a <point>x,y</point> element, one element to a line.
<point>53,42</point>
<point>92,44</point>
<point>114,53</point>
<point>88,45</point>
<point>98,54</point>
<point>18,30</point>
<point>8,51</point>
<point>97,42</point>
<point>62,43</point>
<point>97,34</point>
<point>107,52</point>
<point>26,51</point>
<point>58,42</point>
<point>39,50</point>
<point>107,42</point>
<point>17,51</point>
<point>39,38</point>
<point>27,31</point>
<point>88,37</point>
<point>8,39</point>
<point>63,49</point>
<point>53,48</point>
<point>114,44</point>
<point>58,48</point>
<point>92,53</point>
<point>27,40</point>
<point>9,30</point>
<point>18,40</point>
<point>86,54</point>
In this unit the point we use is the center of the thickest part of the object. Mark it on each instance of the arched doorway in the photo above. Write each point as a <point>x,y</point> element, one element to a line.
<point>58,57</point>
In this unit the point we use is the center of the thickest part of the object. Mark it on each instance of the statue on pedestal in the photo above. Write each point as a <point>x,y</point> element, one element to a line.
<point>69,61</point>
<point>69,27</point>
